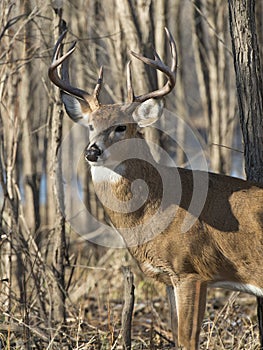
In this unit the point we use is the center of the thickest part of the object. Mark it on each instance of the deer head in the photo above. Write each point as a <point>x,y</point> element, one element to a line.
<point>109,124</point>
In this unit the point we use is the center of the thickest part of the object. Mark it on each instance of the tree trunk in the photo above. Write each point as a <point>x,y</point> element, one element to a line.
<point>250,94</point>
<point>59,239</point>
<point>249,84</point>
<point>213,61</point>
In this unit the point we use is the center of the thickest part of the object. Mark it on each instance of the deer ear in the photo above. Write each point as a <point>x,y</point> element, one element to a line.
<point>148,112</point>
<point>77,110</point>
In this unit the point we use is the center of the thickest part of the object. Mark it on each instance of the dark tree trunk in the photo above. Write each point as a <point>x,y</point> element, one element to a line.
<point>250,94</point>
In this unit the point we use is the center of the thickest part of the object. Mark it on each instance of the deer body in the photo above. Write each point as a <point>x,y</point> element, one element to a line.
<point>224,248</point>
<point>224,245</point>
<point>219,249</point>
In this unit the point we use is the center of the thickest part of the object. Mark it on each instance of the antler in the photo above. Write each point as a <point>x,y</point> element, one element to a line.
<point>159,65</point>
<point>63,82</point>
<point>92,101</point>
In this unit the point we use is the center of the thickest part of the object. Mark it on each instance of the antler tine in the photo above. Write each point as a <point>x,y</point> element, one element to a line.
<point>159,65</point>
<point>130,92</point>
<point>63,83</point>
<point>98,86</point>
<point>172,48</point>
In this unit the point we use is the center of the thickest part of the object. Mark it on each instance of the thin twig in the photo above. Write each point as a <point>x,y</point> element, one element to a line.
<point>127,307</point>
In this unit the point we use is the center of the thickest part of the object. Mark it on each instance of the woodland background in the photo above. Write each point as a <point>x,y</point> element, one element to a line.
<point>57,289</point>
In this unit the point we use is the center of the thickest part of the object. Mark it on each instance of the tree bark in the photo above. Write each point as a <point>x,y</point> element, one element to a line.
<point>29,142</point>
<point>59,239</point>
<point>213,62</point>
<point>249,84</point>
<point>250,94</point>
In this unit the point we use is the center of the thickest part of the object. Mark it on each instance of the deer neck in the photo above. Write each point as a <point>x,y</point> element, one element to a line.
<point>130,193</point>
<point>139,196</point>
<point>127,184</point>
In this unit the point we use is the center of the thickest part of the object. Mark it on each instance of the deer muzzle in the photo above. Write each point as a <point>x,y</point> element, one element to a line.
<point>92,153</point>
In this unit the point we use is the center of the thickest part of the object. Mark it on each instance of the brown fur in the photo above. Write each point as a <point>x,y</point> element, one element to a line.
<point>224,244</point>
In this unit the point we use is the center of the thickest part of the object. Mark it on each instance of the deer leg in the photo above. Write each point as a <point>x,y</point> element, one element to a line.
<point>190,303</point>
<point>173,314</point>
<point>260,320</point>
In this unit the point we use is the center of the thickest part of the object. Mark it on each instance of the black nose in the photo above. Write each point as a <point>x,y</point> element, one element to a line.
<point>92,153</point>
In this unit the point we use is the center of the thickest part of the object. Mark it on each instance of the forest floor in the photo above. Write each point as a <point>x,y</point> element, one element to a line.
<point>94,309</point>
<point>230,321</point>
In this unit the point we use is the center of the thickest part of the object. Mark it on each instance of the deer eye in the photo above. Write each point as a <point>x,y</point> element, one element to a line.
<point>120,128</point>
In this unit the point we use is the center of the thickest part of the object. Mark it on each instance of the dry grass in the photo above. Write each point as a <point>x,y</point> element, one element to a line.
<point>94,310</point>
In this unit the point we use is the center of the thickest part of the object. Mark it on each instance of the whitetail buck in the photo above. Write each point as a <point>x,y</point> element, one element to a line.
<point>224,245</point>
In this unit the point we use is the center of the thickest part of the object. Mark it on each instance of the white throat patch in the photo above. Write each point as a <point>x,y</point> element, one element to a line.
<point>105,174</point>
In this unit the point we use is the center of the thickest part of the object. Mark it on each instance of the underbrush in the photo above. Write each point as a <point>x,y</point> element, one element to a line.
<point>94,306</point>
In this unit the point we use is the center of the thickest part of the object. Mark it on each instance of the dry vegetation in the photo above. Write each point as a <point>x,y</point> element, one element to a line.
<point>94,314</point>
<point>58,291</point>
